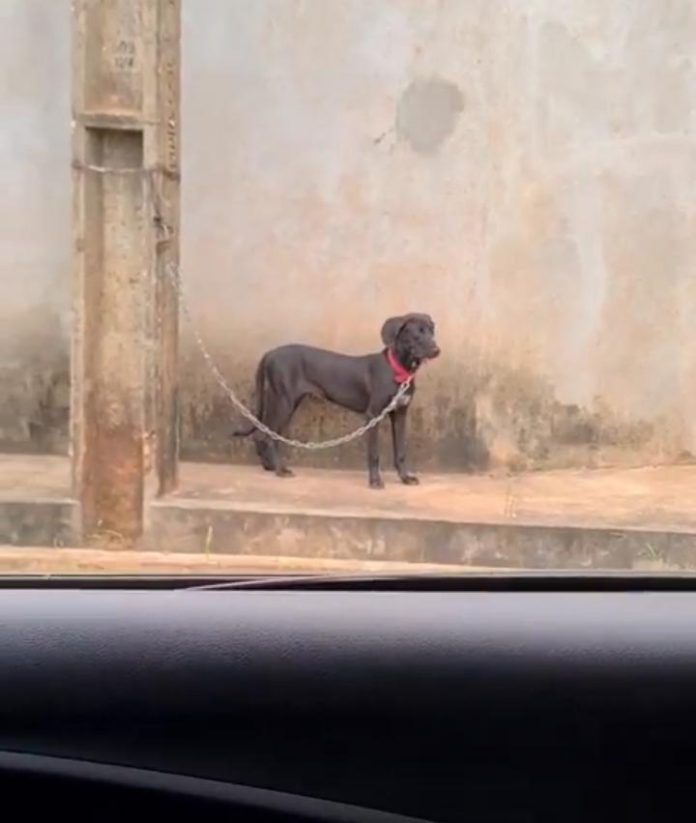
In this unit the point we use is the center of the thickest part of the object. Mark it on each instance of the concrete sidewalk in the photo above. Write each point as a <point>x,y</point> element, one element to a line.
<point>604,518</point>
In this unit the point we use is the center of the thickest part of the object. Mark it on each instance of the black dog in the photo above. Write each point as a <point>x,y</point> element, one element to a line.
<point>362,384</point>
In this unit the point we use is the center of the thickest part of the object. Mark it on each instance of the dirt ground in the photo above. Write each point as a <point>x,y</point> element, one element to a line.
<point>660,497</point>
<point>228,519</point>
<point>54,561</point>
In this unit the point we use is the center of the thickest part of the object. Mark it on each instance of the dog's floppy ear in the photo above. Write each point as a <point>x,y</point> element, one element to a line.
<point>429,320</point>
<point>391,328</point>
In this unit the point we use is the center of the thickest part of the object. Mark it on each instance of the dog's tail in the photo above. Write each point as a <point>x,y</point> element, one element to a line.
<point>260,393</point>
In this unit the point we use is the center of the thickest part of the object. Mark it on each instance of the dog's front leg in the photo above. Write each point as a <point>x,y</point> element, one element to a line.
<point>398,426</point>
<point>376,481</point>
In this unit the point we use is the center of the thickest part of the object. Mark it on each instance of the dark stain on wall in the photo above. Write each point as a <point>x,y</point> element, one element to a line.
<point>34,385</point>
<point>427,113</point>
<point>49,421</point>
<point>526,427</point>
<point>497,418</point>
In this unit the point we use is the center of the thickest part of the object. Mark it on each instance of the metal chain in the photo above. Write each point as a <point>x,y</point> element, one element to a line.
<point>173,273</point>
<point>174,276</point>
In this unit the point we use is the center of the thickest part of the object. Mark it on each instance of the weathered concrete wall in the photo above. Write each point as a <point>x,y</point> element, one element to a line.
<point>34,224</point>
<point>525,172</point>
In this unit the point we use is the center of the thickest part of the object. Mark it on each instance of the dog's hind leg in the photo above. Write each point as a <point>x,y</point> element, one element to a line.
<point>277,420</point>
<point>263,450</point>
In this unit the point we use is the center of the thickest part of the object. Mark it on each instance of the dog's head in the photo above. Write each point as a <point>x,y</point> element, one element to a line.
<point>412,338</point>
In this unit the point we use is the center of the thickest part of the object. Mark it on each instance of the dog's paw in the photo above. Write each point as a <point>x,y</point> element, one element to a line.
<point>285,472</point>
<point>376,483</point>
<point>410,480</point>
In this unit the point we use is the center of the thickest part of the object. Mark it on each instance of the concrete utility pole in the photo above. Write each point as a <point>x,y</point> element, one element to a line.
<point>126,63</point>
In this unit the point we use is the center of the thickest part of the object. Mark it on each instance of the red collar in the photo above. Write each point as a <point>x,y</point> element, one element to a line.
<point>401,374</point>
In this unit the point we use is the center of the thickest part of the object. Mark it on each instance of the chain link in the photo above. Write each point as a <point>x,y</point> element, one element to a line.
<point>174,276</point>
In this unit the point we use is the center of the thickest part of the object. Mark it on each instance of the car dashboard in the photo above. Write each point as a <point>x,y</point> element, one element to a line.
<point>393,705</point>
